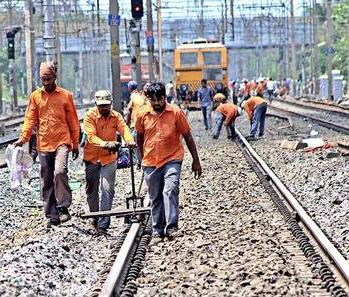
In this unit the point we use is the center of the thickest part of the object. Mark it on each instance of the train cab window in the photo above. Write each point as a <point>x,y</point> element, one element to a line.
<point>212,58</point>
<point>213,74</point>
<point>189,59</point>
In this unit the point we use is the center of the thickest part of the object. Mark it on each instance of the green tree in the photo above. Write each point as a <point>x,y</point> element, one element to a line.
<point>341,36</point>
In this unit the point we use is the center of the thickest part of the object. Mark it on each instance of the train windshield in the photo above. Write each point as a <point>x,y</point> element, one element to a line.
<point>213,74</point>
<point>212,58</point>
<point>189,59</point>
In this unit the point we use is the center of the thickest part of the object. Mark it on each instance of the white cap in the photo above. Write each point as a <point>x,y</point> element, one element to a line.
<point>243,104</point>
<point>103,97</point>
<point>240,111</point>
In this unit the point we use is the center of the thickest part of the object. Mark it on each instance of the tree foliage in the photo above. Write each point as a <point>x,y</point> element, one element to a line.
<point>340,17</point>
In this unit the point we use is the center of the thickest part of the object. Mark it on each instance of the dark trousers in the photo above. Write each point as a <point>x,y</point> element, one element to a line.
<point>32,147</point>
<point>55,189</point>
<point>258,119</point>
<point>220,118</point>
<point>103,178</point>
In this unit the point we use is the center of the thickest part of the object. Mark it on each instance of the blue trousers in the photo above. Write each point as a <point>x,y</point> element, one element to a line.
<point>163,190</point>
<point>103,178</point>
<point>206,112</point>
<point>220,118</point>
<point>258,119</point>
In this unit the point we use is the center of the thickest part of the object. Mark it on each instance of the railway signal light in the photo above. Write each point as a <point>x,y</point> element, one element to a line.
<point>137,9</point>
<point>11,42</point>
<point>10,45</point>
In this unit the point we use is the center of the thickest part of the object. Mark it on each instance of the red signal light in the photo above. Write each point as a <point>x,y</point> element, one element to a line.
<point>137,9</point>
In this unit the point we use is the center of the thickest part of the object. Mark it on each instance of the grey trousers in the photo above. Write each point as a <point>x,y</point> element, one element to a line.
<point>103,178</point>
<point>55,189</point>
<point>163,189</point>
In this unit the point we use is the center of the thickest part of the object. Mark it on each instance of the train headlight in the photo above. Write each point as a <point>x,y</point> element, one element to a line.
<point>219,87</point>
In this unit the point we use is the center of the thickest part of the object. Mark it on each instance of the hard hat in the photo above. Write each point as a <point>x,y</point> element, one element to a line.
<point>132,85</point>
<point>243,103</point>
<point>240,111</point>
<point>219,97</point>
<point>103,97</point>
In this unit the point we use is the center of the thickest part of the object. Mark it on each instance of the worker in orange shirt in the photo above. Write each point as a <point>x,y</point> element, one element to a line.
<point>101,123</point>
<point>160,127</point>
<point>260,89</point>
<point>137,101</point>
<point>255,108</point>
<point>52,109</point>
<point>247,90</point>
<point>227,114</point>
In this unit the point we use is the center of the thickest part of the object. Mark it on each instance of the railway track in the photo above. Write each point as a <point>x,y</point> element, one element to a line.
<point>326,261</point>
<point>315,245</point>
<point>343,128</point>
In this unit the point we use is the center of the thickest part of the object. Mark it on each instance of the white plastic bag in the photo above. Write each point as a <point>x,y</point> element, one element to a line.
<point>19,162</point>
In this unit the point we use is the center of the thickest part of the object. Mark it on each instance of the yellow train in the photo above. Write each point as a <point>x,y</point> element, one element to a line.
<point>196,60</point>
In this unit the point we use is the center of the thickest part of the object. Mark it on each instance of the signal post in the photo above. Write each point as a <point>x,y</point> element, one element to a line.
<point>11,73</point>
<point>135,28</point>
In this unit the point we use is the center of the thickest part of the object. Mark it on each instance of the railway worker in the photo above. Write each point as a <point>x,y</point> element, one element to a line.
<point>253,88</point>
<point>270,89</point>
<point>52,109</point>
<point>170,92</point>
<point>137,101</point>
<point>255,108</point>
<point>205,96</point>
<point>260,88</point>
<point>101,123</point>
<point>159,127</point>
<point>247,90</point>
<point>227,114</point>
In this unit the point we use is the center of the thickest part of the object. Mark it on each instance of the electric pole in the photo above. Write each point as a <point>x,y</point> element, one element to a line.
<point>29,45</point>
<point>232,19</point>
<point>329,48</point>
<point>159,20</point>
<point>1,107</point>
<point>150,40</point>
<point>293,51</point>
<point>49,31</point>
<point>223,25</point>
<point>315,50</point>
<point>135,51</point>
<point>114,22</point>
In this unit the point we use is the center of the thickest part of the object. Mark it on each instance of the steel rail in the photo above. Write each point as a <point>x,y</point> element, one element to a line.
<point>312,105</point>
<point>314,229</point>
<point>333,126</point>
<point>116,273</point>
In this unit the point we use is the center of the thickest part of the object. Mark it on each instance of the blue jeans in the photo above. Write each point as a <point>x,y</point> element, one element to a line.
<point>103,178</point>
<point>206,112</point>
<point>220,118</point>
<point>163,189</point>
<point>258,119</point>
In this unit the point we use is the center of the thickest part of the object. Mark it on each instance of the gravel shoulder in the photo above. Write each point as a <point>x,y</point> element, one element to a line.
<point>64,261</point>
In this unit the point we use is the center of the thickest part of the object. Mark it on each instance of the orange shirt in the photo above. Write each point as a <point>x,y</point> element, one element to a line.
<point>247,89</point>
<point>230,111</point>
<point>137,101</point>
<point>56,117</point>
<point>99,130</point>
<point>251,104</point>
<point>260,88</point>
<point>162,134</point>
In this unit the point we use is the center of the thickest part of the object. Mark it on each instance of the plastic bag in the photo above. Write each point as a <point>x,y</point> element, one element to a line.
<point>123,160</point>
<point>19,162</point>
